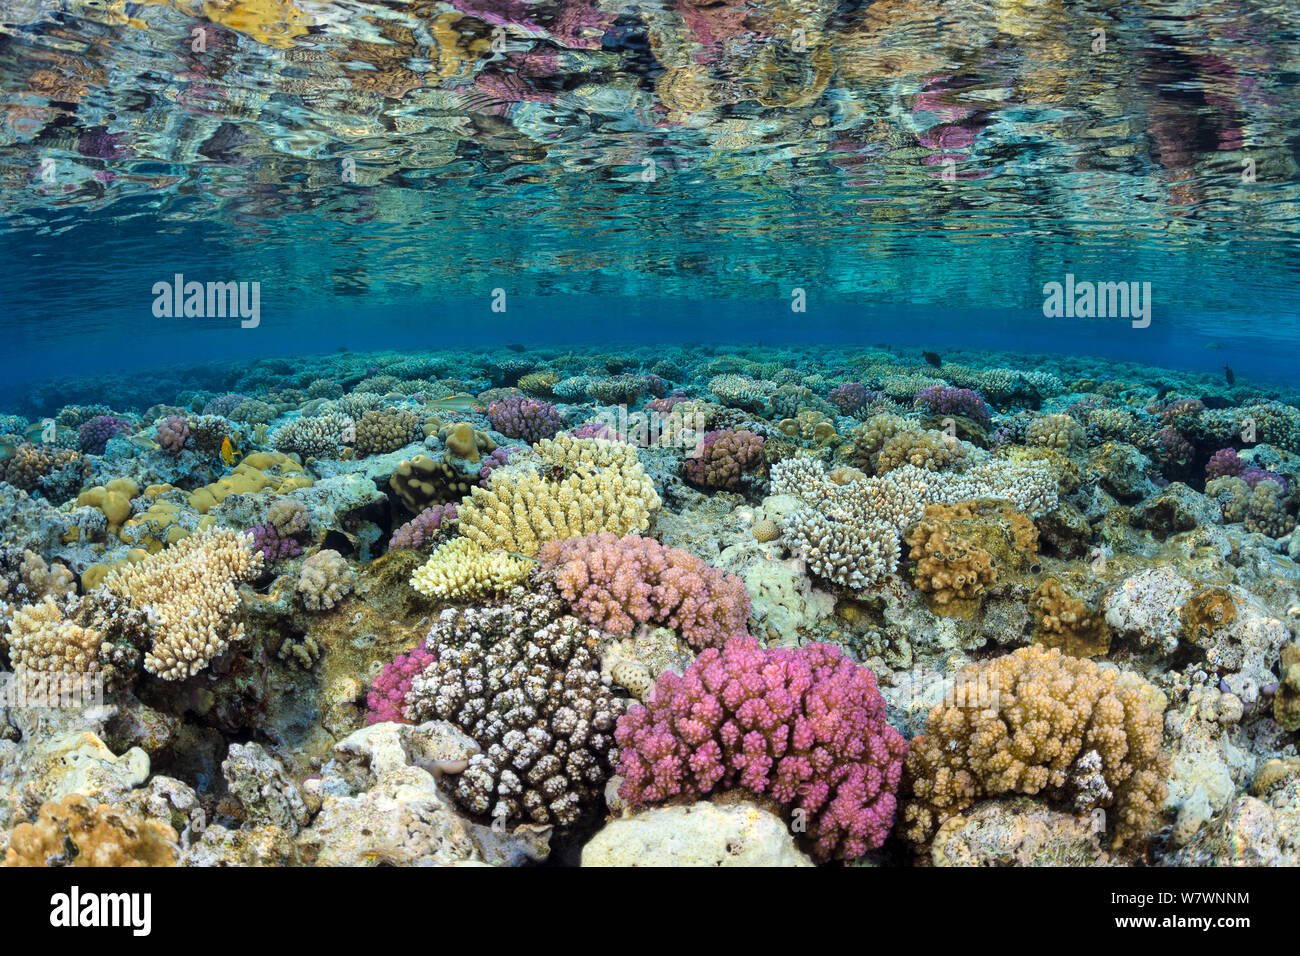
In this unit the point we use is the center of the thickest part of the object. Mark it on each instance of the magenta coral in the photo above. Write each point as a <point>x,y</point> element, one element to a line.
<point>594,430</point>
<point>662,406</point>
<point>617,583</point>
<point>945,400</point>
<point>492,462</point>
<point>528,419</point>
<point>723,459</point>
<point>1225,463</point>
<point>804,726</point>
<point>387,697</point>
<point>272,544</point>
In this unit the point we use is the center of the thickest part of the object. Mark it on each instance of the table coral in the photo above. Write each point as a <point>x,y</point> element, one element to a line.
<point>616,583</point>
<point>1024,723</point>
<point>803,726</point>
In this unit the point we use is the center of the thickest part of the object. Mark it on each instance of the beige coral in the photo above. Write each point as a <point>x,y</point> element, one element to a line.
<point>948,566</point>
<point>1065,622</point>
<point>189,592</point>
<point>324,580</point>
<point>462,569</point>
<point>1037,720</point>
<point>42,639</point>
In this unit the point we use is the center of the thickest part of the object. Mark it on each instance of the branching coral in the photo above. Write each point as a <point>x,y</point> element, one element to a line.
<point>528,419</point>
<point>324,580</point>
<point>723,459</point>
<point>1028,723</point>
<point>616,583</point>
<point>189,594</point>
<point>523,679</point>
<point>606,490</point>
<point>461,569</point>
<point>423,528</point>
<point>804,726</point>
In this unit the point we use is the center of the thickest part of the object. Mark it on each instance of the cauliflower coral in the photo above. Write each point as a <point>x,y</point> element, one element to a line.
<point>803,726</point>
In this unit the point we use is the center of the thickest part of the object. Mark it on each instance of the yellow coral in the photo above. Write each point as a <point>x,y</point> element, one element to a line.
<point>1066,623</point>
<point>607,490</point>
<point>73,833</point>
<point>461,569</point>
<point>42,639</point>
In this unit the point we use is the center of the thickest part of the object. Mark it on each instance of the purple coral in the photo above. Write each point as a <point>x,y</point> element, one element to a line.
<point>662,406</point>
<point>93,435</point>
<point>172,433</point>
<point>852,397</point>
<point>387,697</point>
<point>422,529</point>
<point>274,545</point>
<point>528,419</point>
<point>724,458</point>
<point>1176,447</point>
<point>805,726</point>
<point>945,400</point>
<point>1225,463</point>
<point>594,430</point>
<point>494,461</point>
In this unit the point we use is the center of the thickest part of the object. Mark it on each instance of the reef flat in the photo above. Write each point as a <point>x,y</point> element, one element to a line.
<point>675,605</point>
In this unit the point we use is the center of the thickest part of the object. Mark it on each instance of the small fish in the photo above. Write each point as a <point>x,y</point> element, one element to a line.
<point>456,403</point>
<point>6,451</point>
<point>1213,345</point>
<point>1163,391</point>
<point>1215,401</point>
<point>516,347</point>
<point>932,358</point>
<point>144,443</point>
<point>229,454</point>
<point>1227,373</point>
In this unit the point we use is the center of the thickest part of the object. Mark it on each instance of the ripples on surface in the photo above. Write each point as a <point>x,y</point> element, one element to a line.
<point>955,154</point>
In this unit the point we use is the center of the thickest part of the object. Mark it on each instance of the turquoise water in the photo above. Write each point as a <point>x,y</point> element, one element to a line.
<point>648,172</point>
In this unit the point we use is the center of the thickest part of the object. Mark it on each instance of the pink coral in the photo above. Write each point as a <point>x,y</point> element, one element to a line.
<point>616,583</point>
<point>387,697</point>
<point>724,458</point>
<point>804,726</point>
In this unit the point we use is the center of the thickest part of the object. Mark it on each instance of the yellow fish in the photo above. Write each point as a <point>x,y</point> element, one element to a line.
<point>228,453</point>
<point>456,403</point>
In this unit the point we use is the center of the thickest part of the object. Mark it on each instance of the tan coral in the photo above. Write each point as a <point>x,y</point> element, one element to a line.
<point>948,567</point>
<point>1030,722</point>
<point>1065,622</point>
<point>189,592</point>
<point>42,639</point>
<point>73,833</point>
<point>324,580</point>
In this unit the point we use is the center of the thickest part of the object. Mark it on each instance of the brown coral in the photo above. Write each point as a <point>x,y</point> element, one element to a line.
<point>1037,720</point>
<point>948,566</point>
<point>1065,622</point>
<point>73,833</point>
<point>382,430</point>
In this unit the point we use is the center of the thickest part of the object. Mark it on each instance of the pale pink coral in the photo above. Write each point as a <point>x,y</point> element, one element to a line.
<point>804,726</point>
<point>617,583</point>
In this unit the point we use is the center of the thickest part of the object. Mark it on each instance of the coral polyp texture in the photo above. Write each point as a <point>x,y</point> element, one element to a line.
<point>1038,721</point>
<point>528,419</point>
<point>616,583</point>
<point>723,459</point>
<point>805,727</point>
<point>74,832</point>
<point>522,678</point>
